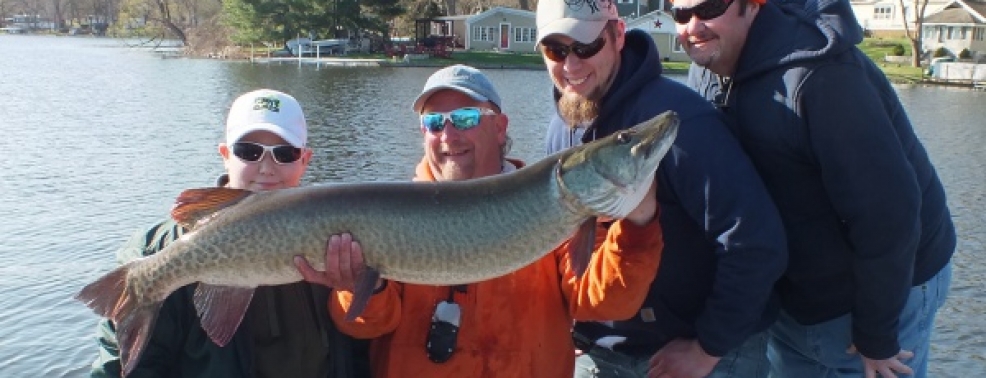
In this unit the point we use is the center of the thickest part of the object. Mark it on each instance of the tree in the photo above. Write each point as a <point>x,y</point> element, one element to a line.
<point>56,6</point>
<point>263,20</point>
<point>3,11</point>
<point>152,21</point>
<point>383,13</point>
<point>914,35</point>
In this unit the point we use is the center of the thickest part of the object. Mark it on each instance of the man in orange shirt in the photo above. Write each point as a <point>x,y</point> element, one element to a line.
<point>517,325</point>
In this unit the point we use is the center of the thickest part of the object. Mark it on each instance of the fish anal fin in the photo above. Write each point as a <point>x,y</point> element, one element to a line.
<point>133,329</point>
<point>194,206</point>
<point>366,282</point>
<point>221,309</point>
<point>581,245</point>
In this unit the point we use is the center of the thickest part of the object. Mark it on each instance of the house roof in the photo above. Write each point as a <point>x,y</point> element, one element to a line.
<point>460,17</point>
<point>495,10</point>
<point>951,16</point>
<point>979,7</point>
<point>959,12</point>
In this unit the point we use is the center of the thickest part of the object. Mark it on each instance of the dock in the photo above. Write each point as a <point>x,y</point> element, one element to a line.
<point>321,61</point>
<point>967,74</point>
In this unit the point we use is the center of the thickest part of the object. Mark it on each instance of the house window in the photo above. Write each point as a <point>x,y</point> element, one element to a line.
<point>883,12</point>
<point>951,33</point>
<point>676,46</point>
<point>523,35</point>
<point>977,34</point>
<point>532,33</point>
<point>482,33</point>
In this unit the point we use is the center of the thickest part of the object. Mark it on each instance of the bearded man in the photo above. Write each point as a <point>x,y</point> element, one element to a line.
<point>707,312</point>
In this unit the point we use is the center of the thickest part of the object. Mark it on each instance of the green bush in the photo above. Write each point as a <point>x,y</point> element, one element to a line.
<point>898,50</point>
<point>965,54</point>
<point>941,52</point>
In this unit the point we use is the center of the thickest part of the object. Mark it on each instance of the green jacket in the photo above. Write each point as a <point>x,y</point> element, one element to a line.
<point>286,332</point>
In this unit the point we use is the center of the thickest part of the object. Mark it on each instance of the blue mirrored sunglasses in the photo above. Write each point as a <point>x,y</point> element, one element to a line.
<point>461,118</point>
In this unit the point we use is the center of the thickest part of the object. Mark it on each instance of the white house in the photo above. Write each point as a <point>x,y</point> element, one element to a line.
<point>660,26</point>
<point>883,18</point>
<point>960,25</point>
<point>499,28</point>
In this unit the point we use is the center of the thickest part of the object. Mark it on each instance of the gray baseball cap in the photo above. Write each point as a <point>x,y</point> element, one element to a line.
<point>581,20</point>
<point>460,78</point>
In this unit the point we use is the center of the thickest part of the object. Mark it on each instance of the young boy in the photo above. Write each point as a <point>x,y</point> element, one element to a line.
<point>286,331</point>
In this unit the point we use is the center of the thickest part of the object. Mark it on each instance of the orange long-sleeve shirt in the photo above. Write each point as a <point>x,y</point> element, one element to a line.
<point>516,325</point>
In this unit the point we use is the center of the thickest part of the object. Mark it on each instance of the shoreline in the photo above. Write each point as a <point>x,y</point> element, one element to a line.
<point>241,54</point>
<point>438,63</point>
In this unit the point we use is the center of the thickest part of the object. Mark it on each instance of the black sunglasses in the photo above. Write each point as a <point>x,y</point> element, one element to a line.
<point>558,52</point>
<point>705,11</point>
<point>252,152</point>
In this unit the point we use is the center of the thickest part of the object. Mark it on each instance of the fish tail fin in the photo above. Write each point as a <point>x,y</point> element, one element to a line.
<point>110,297</point>
<point>105,295</point>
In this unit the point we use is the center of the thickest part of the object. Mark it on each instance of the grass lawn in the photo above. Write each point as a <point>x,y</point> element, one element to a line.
<point>878,48</point>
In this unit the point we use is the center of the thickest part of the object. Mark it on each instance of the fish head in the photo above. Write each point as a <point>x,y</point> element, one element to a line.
<point>610,176</point>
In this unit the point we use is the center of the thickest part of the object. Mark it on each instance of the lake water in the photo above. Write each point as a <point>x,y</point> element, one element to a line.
<point>97,140</point>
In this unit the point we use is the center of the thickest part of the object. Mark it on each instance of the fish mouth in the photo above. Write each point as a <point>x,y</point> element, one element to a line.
<point>656,144</point>
<point>610,179</point>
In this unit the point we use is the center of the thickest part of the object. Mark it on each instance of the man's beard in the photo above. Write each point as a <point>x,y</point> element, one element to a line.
<point>577,110</point>
<point>455,172</point>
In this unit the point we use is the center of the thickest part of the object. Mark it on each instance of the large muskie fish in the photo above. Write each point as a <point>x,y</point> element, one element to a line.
<point>439,233</point>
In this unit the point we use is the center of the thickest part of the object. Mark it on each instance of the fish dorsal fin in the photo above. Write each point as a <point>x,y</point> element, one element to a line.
<point>221,309</point>
<point>196,206</point>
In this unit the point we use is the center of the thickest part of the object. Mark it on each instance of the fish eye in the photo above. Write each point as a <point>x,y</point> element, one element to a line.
<point>624,137</point>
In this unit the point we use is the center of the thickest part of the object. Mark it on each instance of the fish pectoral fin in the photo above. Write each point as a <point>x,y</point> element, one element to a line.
<point>581,245</point>
<point>221,309</point>
<point>194,206</point>
<point>365,284</point>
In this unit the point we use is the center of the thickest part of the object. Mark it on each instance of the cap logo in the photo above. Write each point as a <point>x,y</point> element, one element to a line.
<point>270,103</point>
<point>576,5</point>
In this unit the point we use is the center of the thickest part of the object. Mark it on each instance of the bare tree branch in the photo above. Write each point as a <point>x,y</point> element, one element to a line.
<point>914,36</point>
